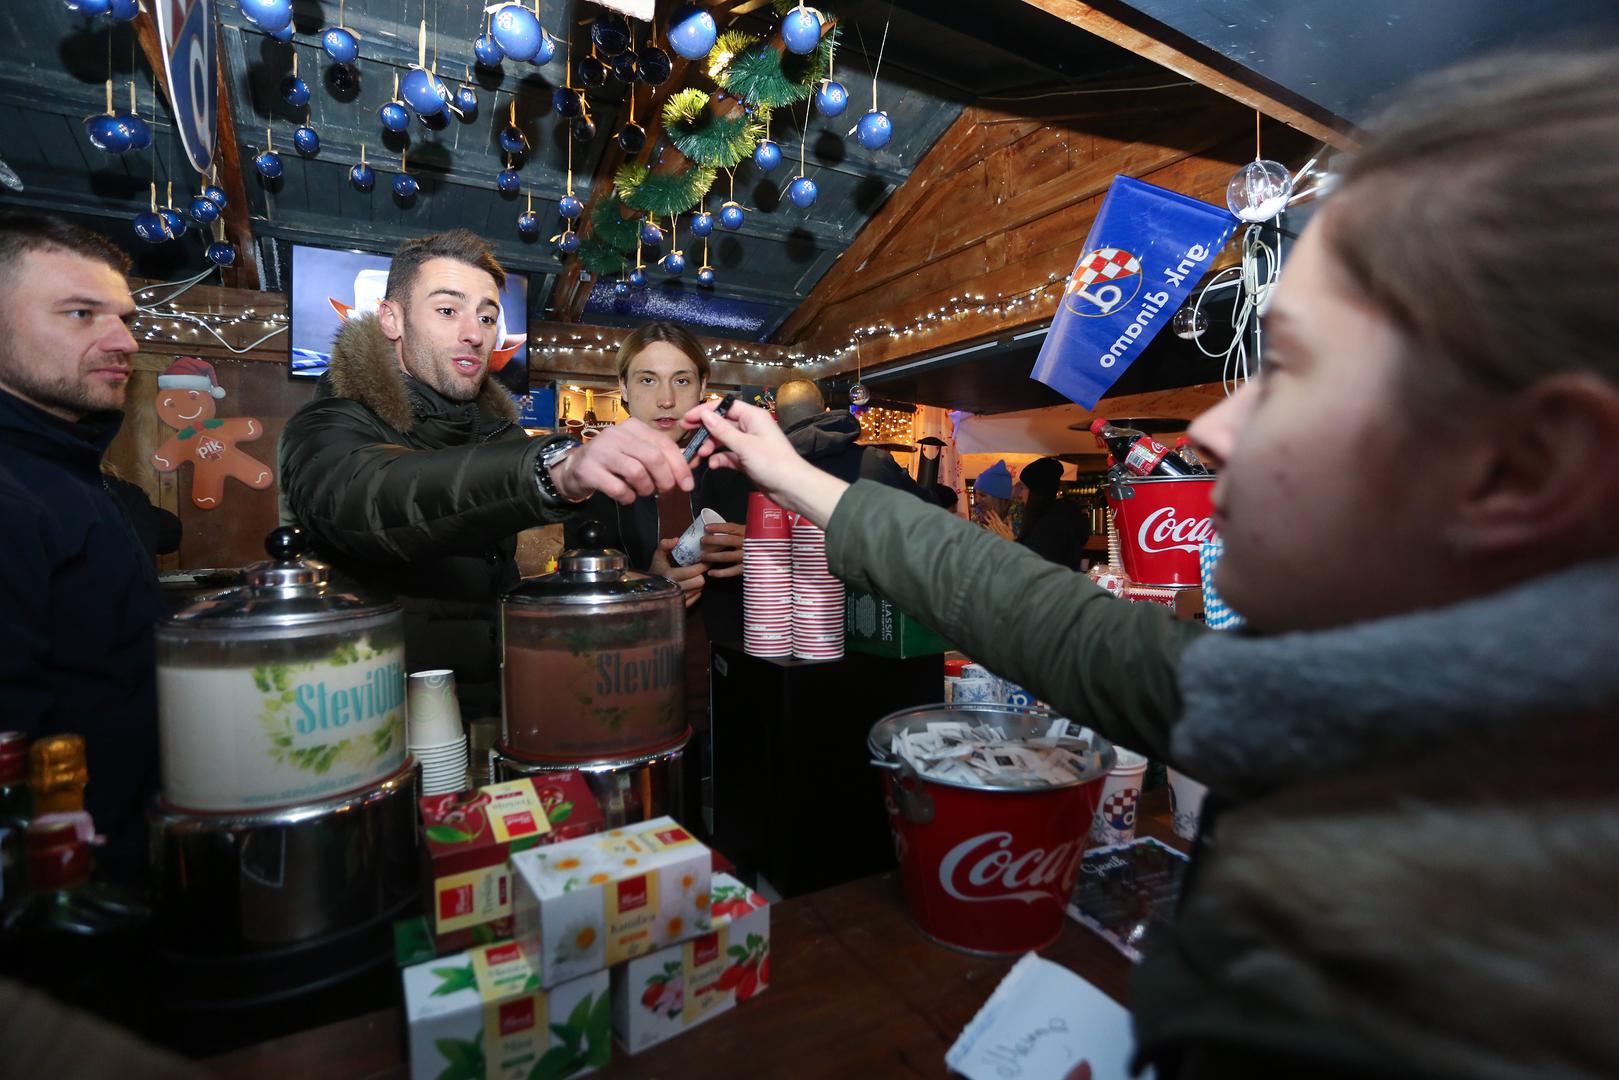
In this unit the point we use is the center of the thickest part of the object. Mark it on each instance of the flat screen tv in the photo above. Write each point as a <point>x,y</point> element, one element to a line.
<point>330,286</point>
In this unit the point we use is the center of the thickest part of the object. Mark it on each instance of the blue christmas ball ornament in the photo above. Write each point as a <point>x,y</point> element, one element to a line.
<point>268,164</point>
<point>394,116</point>
<point>691,32</point>
<point>283,35</point>
<point>570,207</point>
<point>517,31</point>
<point>874,130</point>
<point>568,242</point>
<point>731,216</point>
<point>89,7</point>
<point>140,132</point>
<point>466,102</point>
<point>341,45</point>
<point>512,139</point>
<point>547,50</point>
<point>107,132</point>
<point>674,264</point>
<point>216,195</point>
<point>567,102</point>
<point>149,227</point>
<point>610,33</point>
<point>631,138</point>
<point>487,50</point>
<point>508,180</point>
<point>832,98</point>
<point>424,91</point>
<point>405,186</point>
<point>173,221</point>
<point>626,68</point>
<point>621,288</point>
<point>702,224</point>
<point>307,140</point>
<point>653,65</point>
<point>767,155</point>
<point>528,223</point>
<point>584,128</point>
<point>651,235</point>
<point>294,91</point>
<point>363,177</point>
<point>705,277</point>
<point>801,30</point>
<point>124,10</point>
<point>221,254</point>
<point>638,276</point>
<point>204,211</point>
<point>801,193</point>
<point>267,15</point>
<point>592,72</point>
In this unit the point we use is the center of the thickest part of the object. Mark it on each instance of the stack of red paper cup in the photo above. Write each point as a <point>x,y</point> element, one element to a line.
<point>767,579</point>
<point>817,598</point>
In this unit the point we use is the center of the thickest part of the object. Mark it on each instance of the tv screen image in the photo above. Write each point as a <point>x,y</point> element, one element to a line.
<point>329,287</point>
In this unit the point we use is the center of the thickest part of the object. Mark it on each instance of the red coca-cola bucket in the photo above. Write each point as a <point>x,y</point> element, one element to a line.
<point>1162,520</point>
<point>987,869</point>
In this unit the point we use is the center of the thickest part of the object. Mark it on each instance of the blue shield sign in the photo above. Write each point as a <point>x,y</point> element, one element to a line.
<point>1147,249</point>
<point>188,41</point>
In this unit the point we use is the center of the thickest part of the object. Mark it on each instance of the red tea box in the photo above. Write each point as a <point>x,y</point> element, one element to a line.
<point>658,996</point>
<point>470,838</point>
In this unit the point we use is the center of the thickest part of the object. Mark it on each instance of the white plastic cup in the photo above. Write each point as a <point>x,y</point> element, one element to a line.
<point>690,547</point>
<point>1185,803</point>
<point>435,714</point>
<point>1115,821</point>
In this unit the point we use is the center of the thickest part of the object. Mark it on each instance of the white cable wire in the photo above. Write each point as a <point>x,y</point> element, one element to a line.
<point>1260,267</point>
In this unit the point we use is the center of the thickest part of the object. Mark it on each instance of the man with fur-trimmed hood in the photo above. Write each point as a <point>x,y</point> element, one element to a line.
<point>411,475</point>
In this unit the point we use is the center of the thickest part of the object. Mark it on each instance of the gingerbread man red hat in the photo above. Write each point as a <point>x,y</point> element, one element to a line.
<point>191,373</point>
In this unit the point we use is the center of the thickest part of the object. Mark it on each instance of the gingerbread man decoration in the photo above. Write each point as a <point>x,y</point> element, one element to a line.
<point>186,397</point>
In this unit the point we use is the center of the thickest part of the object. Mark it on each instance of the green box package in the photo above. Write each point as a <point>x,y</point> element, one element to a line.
<point>874,625</point>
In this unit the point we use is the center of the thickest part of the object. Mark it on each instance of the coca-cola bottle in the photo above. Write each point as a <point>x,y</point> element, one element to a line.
<point>1183,447</point>
<point>1139,453</point>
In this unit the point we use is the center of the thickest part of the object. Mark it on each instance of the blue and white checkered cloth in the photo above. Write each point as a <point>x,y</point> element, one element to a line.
<point>1215,612</point>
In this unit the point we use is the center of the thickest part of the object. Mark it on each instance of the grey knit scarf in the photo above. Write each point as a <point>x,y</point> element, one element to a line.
<point>1263,711</point>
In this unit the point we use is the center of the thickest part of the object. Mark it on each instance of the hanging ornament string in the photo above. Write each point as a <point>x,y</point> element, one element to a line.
<point>882,47</point>
<point>569,142</point>
<point>803,137</point>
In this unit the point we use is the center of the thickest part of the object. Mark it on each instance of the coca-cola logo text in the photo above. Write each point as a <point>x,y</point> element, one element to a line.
<point>1162,531</point>
<point>984,868</point>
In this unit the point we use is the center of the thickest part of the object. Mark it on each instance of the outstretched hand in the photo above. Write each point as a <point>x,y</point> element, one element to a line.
<point>626,460</point>
<point>747,439</point>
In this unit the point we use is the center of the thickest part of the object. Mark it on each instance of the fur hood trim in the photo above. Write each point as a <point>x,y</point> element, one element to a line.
<point>363,369</point>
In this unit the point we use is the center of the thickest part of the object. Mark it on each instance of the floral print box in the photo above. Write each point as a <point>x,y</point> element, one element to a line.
<point>660,995</point>
<point>583,905</point>
<point>482,1014</point>
<point>470,838</point>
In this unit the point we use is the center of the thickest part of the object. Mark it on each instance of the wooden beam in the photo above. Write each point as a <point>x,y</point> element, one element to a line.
<point>245,271</point>
<point>1107,19</point>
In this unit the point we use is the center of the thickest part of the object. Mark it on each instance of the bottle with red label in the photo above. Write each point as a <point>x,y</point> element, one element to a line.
<point>1139,453</point>
<point>1183,447</point>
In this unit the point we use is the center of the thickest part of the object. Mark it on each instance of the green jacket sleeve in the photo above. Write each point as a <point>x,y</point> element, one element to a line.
<point>1099,660</point>
<point>360,493</point>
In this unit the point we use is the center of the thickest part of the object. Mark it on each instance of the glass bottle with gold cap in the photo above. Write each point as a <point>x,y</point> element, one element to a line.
<point>57,774</point>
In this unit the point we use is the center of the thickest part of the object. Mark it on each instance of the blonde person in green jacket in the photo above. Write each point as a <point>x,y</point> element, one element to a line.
<point>1413,854</point>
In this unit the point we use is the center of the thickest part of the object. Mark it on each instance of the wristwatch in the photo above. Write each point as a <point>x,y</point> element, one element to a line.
<point>554,451</point>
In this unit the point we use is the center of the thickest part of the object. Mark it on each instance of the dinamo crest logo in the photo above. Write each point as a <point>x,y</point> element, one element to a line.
<point>1103,281</point>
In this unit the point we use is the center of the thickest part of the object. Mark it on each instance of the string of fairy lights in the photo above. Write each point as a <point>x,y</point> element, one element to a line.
<point>883,425</point>
<point>161,321</point>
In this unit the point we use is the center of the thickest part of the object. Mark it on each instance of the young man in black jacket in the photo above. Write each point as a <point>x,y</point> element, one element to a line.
<point>78,595</point>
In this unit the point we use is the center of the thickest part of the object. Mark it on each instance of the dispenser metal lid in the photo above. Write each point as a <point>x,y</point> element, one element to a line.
<point>592,575</point>
<point>287,590</point>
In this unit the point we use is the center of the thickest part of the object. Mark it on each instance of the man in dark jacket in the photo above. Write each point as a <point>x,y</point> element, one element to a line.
<point>412,476</point>
<point>1055,529</point>
<point>828,439</point>
<point>78,596</point>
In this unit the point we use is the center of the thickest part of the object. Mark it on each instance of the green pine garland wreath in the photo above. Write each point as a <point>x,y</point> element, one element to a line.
<point>761,74</point>
<point>662,194</point>
<point>610,228</point>
<point>708,139</point>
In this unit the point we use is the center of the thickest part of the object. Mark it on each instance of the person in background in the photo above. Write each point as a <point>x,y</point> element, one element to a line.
<point>992,499</point>
<point>78,595</point>
<point>1410,849</point>
<point>829,440</point>
<point>409,471</point>
<point>1055,529</point>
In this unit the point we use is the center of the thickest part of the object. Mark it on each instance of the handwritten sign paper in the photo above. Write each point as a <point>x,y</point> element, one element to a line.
<point>1043,1023</point>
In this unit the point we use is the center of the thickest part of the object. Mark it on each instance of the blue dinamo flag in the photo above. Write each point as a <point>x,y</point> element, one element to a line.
<point>1147,249</point>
